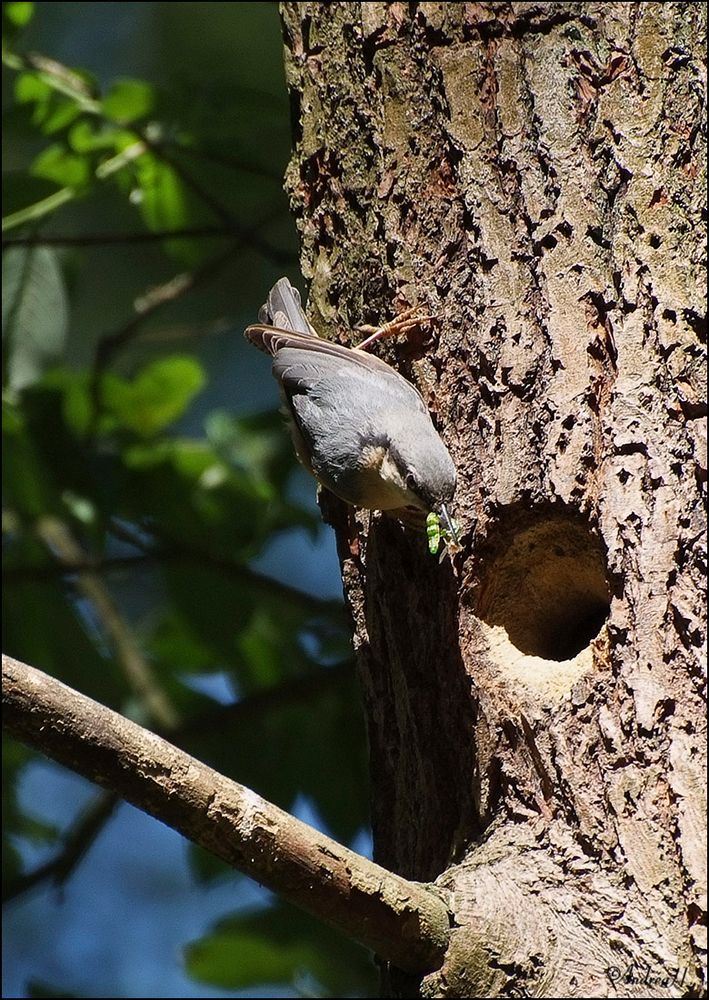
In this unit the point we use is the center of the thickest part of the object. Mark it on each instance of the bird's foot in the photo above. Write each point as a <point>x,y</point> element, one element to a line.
<point>406,321</point>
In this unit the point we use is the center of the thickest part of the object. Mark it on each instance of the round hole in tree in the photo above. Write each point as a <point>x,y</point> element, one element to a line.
<point>543,579</point>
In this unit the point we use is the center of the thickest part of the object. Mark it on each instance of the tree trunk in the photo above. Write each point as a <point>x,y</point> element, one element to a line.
<point>531,174</point>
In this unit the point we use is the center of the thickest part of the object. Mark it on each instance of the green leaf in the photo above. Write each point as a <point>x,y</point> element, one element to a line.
<point>14,756</point>
<point>257,444</point>
<point>61,116</point>
<point>45,456</point>
<point>194,499</point>
<point>35,313</point>
<point>156,397</point>
<point>65,625</point>
<point>18,14</point>
<point>279,945</point>
<point>53,111</point>
<point>165,203</point>
<point>90,136</point>
<point>58,164</point>
<point>279,752</point>
<point>128,101</point>
<point>282,756</point>
<point>206,867</point>
<point>257,640</point>
<point>32,88</point>
<point>16,822</point>
<point>176,642</point>
<point>78,405</point>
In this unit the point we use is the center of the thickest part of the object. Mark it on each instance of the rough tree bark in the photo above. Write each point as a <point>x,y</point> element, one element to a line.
<point>532,174</point>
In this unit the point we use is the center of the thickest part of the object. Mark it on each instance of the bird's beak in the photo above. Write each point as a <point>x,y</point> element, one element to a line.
<point>449,523</point>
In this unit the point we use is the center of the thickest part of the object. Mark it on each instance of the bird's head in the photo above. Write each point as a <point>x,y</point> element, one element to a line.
<point>415,469</point>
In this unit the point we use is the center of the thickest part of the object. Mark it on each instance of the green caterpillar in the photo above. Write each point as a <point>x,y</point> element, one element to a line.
<point>437,533</point>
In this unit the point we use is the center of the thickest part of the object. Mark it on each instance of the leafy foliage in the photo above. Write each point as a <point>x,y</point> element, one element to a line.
<point>35,313</point>
<point>291,946</point>
<point>138,213</point>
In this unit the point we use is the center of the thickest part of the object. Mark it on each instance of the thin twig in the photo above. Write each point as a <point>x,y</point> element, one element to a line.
<point>233,162</point>
<point>223,718</point>
<point>204,194</point>
<point>59,540</point>
<point>227,567</point>
<point>103,239</point>
<point>171,548</point>
<point>76,842</point>
<point>267,250</point>
<point>156,297</point>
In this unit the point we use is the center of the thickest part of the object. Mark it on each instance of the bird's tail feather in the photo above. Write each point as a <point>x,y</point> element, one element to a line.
<point>284,310</point>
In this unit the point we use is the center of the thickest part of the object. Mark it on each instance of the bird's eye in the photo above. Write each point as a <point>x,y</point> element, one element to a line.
<point>410,481</point>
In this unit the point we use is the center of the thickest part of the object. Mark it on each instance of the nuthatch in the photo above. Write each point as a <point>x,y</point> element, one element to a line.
<point>358,426</point>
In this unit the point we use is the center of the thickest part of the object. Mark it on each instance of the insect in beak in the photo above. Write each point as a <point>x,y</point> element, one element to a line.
<point>442,528</point>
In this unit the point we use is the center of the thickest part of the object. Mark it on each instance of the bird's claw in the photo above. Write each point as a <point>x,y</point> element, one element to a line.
<point>406,321</point>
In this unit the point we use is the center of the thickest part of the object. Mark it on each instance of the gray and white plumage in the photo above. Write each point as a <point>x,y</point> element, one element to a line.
<point>359,426</point>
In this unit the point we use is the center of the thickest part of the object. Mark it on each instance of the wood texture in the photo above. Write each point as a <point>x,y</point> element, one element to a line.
<point>533,175</point>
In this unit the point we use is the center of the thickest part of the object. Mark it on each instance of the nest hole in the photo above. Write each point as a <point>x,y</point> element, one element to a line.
<point>546,585</point>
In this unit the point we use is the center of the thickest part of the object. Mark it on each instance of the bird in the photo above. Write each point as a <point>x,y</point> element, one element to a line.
<point>358,426</point>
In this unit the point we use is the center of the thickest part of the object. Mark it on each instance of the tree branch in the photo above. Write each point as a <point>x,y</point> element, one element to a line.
<point>154,298</point>
<point>77,840</point>
<point>101,239</point>
<point>404,922</point>
<point>290,692</point>
<point>57,537</point>
<point>229,568</point>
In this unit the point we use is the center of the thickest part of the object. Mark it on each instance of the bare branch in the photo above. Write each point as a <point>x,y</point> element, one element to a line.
<point>156,297</point>
<point>101,239</point>
<point>57,537</point>
<point>76,842</point>
<point>79,838</point>
<point>230,568</point>
<point>305,688</point>
<point>404,922</point>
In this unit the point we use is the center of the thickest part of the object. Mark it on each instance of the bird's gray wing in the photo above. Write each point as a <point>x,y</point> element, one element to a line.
<point>335,406</point>
<point>304,357</point>
<point>283,309</point>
